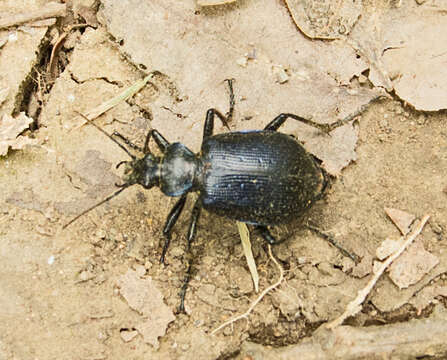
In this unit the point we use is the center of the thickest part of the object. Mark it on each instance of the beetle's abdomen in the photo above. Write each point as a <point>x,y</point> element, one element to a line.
<point>261,177</point>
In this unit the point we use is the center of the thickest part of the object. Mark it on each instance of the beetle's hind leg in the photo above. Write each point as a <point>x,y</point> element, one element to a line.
<point>191,235</point>
<point>326,128</point>
<point>266,234</point>
<point>281,119</point>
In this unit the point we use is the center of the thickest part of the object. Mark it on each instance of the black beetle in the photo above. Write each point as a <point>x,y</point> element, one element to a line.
<point>263,178</point>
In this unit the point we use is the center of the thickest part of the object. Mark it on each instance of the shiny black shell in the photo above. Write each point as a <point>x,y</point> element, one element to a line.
<point>258,177</point>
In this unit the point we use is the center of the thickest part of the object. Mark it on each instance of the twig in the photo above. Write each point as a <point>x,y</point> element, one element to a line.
<point>254,303</point>
<point>50,10</point>
<point>415,339</point>
<point>355,305</point>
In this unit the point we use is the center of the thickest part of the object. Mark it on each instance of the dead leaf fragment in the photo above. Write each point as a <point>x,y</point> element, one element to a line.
<point>3,92</point>
<point>412,265</point>
<point>420,60</point>
<point>325,19</point>
<point>364,267</point>
<point>10,129</point>
<point>405,48</point>
<point>143,296</point>
<point>388,247</point>
<point>52,9</point>
<point>427,295</point>
<point>3,40</point>
<point>214,2</point>
<point>128,335</point>
<point>401,219</point>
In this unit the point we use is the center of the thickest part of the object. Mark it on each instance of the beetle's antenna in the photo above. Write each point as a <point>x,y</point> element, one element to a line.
<point>124,186</point>
<point>133,157</point>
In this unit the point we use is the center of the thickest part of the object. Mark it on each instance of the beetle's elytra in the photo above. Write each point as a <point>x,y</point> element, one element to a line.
<point>263,178</point>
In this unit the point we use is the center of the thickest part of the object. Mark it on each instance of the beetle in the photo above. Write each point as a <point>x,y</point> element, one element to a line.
<point>261,177</point>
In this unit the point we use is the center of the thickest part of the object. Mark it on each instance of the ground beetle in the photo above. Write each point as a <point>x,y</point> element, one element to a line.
<point>263,178</point>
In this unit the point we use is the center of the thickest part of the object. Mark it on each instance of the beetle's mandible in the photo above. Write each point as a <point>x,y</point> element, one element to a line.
<point>263,177</point>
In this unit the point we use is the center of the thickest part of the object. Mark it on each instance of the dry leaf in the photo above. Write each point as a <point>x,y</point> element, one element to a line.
<point>426,296</point>
<point>3,40</point>
<point>325,19</point>
<point>214,2</point>
<point>3,94</point>
<point>143,296</point>
<point>10,130</point>
<point>412,265</point>
<point>401,219</point>
<point>128,335</point>
<point>420,60</point>
<point>388,247</point>
<point>405,48</point>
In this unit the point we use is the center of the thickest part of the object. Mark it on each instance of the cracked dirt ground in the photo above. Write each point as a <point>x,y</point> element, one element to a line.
<point>59,289</point>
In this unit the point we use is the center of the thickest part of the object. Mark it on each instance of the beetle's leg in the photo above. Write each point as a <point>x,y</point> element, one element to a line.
<point>161,142</point>
<point>170,222</point>
<point>209,122</point>
<point>265,232</point>
<point>191,235</point>
<point>326,128</point>
<point>281,118</point>
<point>334,243</point>
<point>211,113</point>
<point>229,114</point>
<point>127,141</point>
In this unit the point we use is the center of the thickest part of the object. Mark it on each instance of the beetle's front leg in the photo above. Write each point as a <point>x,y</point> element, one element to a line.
<point>265,232</point>
<point>191,235</point>
<point>209,122</point>
<point>170,222</point>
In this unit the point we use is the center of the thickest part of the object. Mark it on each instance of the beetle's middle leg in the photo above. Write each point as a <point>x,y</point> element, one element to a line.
<point>211,113</point>
<point>170,222</point>
<point>191,235</point>
<point>265,232</point>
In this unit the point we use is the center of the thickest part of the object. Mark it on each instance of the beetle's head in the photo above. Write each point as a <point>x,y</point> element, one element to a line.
<point>144,171</point>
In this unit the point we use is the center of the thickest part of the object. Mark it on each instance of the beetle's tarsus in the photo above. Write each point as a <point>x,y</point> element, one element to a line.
<point>229,114</point>
<point>266,234</point>
<point>334,243</point>
<point>120,163</point>
<point>182,293</point>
